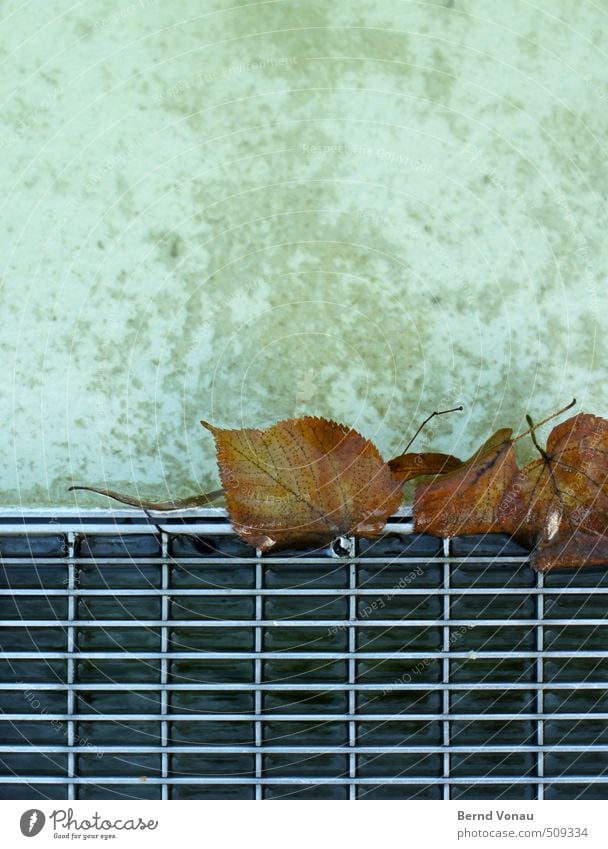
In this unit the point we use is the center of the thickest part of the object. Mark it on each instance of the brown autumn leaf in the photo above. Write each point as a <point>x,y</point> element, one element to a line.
<point>409,466</point>
<point>567,550</point>
<point>558,505</point>
<point>303,482</point>
<point>464,500</point>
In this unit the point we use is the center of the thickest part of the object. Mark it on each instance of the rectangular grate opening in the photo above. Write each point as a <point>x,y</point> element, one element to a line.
<point>143,661</point>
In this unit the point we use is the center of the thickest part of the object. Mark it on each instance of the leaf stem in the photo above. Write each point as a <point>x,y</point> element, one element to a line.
<point>427,420</point>
<point>532,427</point>
<point>156,506</point>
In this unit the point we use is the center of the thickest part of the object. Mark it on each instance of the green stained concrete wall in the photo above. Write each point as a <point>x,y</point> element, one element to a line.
<point>246,212</point>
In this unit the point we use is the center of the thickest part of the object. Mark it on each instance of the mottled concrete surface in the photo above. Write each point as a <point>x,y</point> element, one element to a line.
<point>360,210</point>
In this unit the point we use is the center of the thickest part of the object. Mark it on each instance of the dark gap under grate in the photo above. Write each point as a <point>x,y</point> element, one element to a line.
<point>175,664</point>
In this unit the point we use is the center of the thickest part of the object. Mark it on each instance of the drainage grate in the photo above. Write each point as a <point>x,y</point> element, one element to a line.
<point>169,662</point>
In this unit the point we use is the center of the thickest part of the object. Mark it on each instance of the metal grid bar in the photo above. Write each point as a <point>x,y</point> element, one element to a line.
<point>318,780</point>
<point>294,655</point>
<point>352,673</point>
<point>195,670</point>
<point>291,717</point>
<point>258,675</point>
<point>288,592</point>
<point>540,695</point>
<point>353,748</point>
<point>445,678</point>
<point>71,647</point>
<point>164,632</point>
<point>294,623</point>
<point>489,685</point>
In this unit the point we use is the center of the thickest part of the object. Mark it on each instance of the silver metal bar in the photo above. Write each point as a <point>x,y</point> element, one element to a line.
<point>300,780</point>
<point>258,675</point>
<point>300,623</point>
<point>445,671</point>
<point>306,717</point>
<point>207,529</point>
<point>321,686</point>
<point>431,559</point>
<point>352,672</point>
<point>238,591</point>
<point>71,647</point>
<point>292,655</point>
<point>60,516</point>
<point>201,529</point>
<point>164,645</point>
<point>540,728</point>
<point>318,750</point>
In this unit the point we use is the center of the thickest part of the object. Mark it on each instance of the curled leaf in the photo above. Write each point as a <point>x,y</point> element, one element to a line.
<point>409,466</point>
<point>464,501</point>
<point>558,505</point>
<point>303,482</point>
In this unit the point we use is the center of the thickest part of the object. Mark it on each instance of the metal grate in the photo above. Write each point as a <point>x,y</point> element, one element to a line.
<point>170,662</point>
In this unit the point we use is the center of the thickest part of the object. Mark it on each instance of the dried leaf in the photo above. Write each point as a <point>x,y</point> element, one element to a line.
<point>558,504</point>
<point>409,466</point>
<point>156,506</point>
<point>464,501</point>
<point>303,482</point>
<point>568,550</point>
